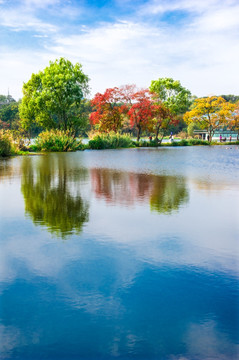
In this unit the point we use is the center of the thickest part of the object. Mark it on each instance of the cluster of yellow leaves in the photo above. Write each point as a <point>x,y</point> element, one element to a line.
<point>211,112</point>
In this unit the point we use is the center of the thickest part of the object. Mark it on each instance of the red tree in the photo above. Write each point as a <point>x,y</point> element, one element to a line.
<point>141,111</point>
<point>108,110</point>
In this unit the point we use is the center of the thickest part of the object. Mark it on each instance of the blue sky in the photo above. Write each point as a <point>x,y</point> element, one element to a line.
<point>123,42</point>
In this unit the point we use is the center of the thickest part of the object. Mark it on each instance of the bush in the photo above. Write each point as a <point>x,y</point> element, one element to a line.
<point>7,145</point>
<point>56,140</point>
<point>109,141</point>
<point>190,142</point>
<point>145,143</point>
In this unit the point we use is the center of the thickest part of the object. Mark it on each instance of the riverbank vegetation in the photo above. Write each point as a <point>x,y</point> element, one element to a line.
<point>56,113</point>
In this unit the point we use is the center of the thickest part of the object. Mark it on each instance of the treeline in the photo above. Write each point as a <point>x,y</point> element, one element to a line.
<point>57,99</point>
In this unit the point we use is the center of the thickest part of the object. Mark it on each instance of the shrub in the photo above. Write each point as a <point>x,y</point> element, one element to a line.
<point>182,135</point>
<point>145,143</point>
<point>7,145</point>
<point>56,140</point>
<point>109,141</point>
<point>197,142</point>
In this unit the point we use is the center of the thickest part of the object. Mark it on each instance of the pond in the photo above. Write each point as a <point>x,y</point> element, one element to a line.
<point>120,254</point>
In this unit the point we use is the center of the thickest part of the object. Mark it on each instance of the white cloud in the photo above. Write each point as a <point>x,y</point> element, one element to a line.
<point>20,19</point>
<point>128,52</point>
<point>202,53</point>
<point>193,6</point>
<point>40,3</point>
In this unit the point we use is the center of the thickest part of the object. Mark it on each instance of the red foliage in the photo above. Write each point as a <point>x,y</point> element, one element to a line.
<point>108,110</point>
<point>140,106</point>
<point>141,111</point>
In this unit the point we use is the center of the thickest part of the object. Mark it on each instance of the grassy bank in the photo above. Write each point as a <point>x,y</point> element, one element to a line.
<point>59,141</point>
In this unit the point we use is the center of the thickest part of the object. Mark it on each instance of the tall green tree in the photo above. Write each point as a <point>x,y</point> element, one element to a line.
<point>172,94</point>
<point>52,98</point>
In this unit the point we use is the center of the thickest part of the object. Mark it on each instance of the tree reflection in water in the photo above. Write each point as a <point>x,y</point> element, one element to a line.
<point>51,199</point>
<point>168,194</point>
<point>164,193</point>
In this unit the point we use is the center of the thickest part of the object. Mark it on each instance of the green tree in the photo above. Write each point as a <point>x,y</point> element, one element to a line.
<point>9,114</point>
<point>231,98</point>
<point>172,94</point>
<point>52,98</point>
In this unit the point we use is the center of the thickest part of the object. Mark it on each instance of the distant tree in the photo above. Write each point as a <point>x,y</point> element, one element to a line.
<point>172,94</point>
<point>231,98</point>
<point>6,99</point>
<point>52,97</point>
<point>9,114</point>
<point>210,113</point>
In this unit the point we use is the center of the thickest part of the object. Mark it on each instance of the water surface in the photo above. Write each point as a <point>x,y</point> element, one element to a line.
<point>122,254</point>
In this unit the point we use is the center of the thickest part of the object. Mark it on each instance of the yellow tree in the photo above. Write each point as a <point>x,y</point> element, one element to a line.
<point>234,124</point>
<point>211,113</point>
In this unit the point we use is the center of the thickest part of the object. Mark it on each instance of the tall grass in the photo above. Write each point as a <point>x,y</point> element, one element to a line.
<point>56,141</point>
<point>7,144</point>
<point>109,141</point>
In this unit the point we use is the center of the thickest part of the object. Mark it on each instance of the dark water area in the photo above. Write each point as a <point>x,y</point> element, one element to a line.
<point>120,254</point>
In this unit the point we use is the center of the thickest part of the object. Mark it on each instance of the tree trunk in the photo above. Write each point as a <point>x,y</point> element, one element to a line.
<point>138,132</point>
<point>157,134</point>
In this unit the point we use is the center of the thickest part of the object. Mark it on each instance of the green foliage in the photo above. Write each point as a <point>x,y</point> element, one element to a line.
<point>7,145</point>
<point>6,99</point>
<point>52,97</point>
<point>146,143</point>
<point>191,127</point>
<point>174,96</point>
<point>56,140</point>
<point>9,114</point>
<point>110,141</point>
<point>231,98</point>
<point>190,142</point>
<point>168,194</point>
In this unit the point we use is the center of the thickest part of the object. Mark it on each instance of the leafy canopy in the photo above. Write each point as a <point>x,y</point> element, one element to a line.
<point>210,113</point>
<point>52,97</point>
<point>170,92</point>
<point>108,110</point>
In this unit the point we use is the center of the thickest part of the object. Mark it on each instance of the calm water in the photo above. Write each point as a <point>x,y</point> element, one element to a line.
<point>122,254</point>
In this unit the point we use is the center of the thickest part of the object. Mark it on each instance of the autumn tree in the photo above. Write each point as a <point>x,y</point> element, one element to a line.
<point>234,123</point>
<point>141,111</point>
<point>211,113</point>
<point>108,110</point>
<point>52,97</point>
